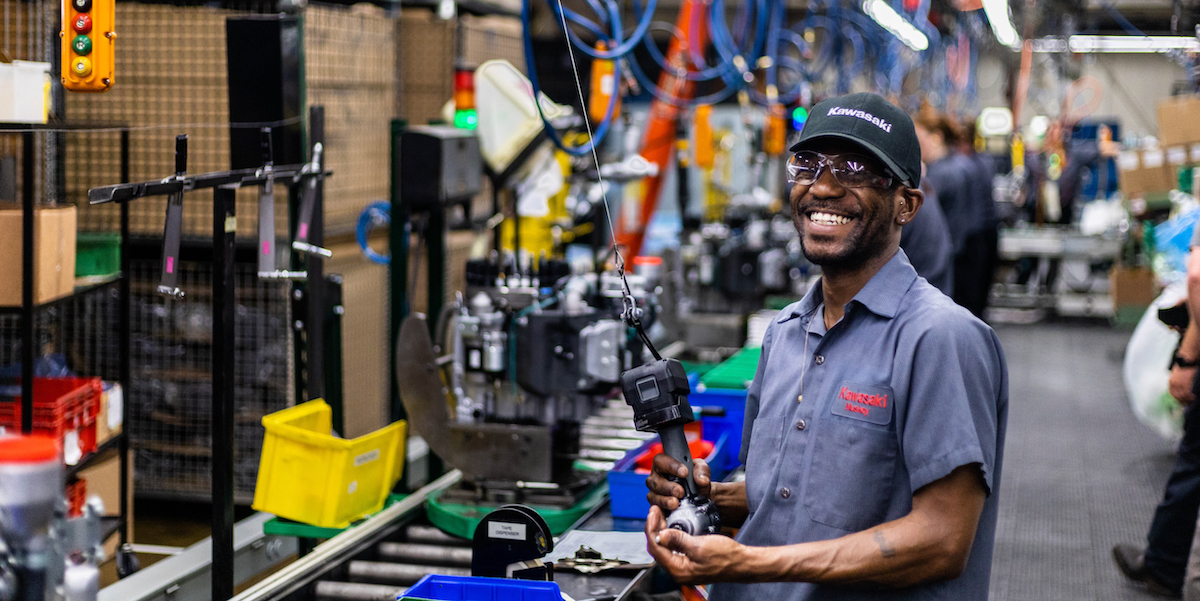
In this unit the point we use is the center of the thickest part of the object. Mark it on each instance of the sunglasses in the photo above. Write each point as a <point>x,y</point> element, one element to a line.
<point>850,170</point>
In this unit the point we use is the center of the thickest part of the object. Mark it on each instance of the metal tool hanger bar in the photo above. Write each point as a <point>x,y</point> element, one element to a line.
<point>285,175</point>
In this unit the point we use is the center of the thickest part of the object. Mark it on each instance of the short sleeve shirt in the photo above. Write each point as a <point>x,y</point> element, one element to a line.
<point>1195,236</point>
<point>842,426</point>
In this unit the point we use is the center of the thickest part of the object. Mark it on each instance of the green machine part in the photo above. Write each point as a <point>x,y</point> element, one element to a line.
<point>461,520</point>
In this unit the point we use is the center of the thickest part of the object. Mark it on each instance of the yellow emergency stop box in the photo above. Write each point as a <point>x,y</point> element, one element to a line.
<point>307,475</point>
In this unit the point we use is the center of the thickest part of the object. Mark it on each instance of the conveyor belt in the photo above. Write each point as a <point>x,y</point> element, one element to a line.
<point>380,558</point>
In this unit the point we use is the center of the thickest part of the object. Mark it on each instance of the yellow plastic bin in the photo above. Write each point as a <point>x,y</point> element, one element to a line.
<point>308,476</point>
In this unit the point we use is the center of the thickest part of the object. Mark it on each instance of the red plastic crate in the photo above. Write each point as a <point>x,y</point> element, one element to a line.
<point>76,497</point>
<point>63,408</point>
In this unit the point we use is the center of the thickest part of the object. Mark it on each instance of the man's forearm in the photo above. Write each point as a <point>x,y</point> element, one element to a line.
<point>1193,289</point>
<point>892,555</point>
<point>931,543</point>
<point>730,498</point>
<point>1189,347</point>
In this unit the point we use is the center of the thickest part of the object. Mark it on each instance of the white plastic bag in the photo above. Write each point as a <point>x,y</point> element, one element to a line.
<point>1147,358</point>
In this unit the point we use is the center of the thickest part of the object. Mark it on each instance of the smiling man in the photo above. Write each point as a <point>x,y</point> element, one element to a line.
<point>875,424</point>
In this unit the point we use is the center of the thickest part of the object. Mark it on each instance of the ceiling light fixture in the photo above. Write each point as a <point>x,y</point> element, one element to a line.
<point>1000,17</point>
<point>1116,44</point>
<point>890,20</point>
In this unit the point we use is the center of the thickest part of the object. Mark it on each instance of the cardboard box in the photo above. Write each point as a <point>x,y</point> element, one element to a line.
<point>1146,172</point>
<point>54,250</point>
<point>109,422</point>
<point>1178,124</point>
<point>104,480</point>
<point>1132,288</point>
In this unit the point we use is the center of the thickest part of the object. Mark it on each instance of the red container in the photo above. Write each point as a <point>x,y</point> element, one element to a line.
<point>63,408</point>
<point>76,497</point>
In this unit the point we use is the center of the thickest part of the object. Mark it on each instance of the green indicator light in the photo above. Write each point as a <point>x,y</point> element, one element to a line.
<point>82,45</point>
<point>799,118</point>
<point>465,119</point>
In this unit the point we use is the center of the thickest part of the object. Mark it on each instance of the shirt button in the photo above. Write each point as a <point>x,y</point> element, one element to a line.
<point>785,492</point>
<point>820,359</point>
<point>800,425</point>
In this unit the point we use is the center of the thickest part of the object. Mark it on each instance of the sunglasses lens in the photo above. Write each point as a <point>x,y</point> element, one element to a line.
<point>856,171</point>
<point>803,168</point>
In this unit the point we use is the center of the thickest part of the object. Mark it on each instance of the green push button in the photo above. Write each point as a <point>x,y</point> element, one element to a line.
<point>82,45</point>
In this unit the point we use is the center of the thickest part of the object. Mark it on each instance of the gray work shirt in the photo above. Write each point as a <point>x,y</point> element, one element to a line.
<point>904,389</point>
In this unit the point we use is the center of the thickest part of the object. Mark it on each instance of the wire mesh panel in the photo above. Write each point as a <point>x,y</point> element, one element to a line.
<point>426,49</point>
<point>171,392</point>
<point>488,38</point>
<point>78,335</point>
<point>350,69</point>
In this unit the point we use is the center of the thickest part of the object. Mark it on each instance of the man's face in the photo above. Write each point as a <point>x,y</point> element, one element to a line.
<point>842,227</point>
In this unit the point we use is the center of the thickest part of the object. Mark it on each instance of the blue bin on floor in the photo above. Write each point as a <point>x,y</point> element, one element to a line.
<point>627,488</point>
<point>474,588</point>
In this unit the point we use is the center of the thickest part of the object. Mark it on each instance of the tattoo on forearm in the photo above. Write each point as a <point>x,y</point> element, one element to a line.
<point>885,547</point>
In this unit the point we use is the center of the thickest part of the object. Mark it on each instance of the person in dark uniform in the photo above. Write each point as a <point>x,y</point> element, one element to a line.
<point>953,178</point>
<point>982,244</point>
<point>1162,564</point>
<point>874,432</point>
<point>926,242</point>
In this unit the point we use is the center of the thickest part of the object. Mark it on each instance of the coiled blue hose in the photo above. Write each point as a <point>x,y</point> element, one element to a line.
<point>378,213</point>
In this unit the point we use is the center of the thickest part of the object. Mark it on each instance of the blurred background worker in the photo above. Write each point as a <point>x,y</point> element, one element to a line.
<point>980,250</point>
<point>1161,565</point>
<point>954,178</point>
<point>926,241</point>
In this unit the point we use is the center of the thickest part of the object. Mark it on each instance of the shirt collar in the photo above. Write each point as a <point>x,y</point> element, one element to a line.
<point>881,295</point>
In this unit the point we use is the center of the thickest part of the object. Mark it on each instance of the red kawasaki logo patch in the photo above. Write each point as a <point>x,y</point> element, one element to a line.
<point>868,403</point>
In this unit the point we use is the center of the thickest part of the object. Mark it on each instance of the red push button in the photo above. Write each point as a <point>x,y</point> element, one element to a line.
<point>82,24</point>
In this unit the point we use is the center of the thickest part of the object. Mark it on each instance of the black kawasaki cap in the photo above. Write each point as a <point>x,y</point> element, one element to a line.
<point>869,121</point>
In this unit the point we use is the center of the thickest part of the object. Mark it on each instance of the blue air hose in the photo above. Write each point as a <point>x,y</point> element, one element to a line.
<point>376,214</point>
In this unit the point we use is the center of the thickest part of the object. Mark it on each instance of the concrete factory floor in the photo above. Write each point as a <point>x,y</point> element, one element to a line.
<point>1080,472</point>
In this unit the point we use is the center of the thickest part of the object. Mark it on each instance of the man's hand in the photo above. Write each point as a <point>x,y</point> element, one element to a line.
<point>1181,384</point>
<point>666,493</point>
<point>692,559</point>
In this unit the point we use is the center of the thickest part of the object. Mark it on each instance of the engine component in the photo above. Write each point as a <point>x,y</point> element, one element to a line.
<point>530,356</point>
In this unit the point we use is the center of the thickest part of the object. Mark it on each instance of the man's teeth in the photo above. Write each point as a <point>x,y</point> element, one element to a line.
<point>828,219</point>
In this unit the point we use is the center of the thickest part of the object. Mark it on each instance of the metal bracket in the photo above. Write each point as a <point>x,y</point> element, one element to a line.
<point>173,227</point>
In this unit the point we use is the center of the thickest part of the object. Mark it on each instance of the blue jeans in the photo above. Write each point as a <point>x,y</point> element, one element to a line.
<point>1170,538</point>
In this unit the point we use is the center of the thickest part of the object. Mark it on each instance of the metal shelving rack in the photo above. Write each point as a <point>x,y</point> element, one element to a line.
<point>29,310</point>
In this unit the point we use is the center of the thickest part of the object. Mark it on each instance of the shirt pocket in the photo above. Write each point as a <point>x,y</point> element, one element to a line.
<point>762,461</point>
<point>850,481</point>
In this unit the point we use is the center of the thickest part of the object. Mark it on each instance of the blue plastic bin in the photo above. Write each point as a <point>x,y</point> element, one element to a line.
<point>473,588</point>
<point>627,489</point>
<point>734,403</point>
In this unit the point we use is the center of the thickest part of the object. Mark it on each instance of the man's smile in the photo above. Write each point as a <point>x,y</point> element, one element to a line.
<point>827,218</point>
